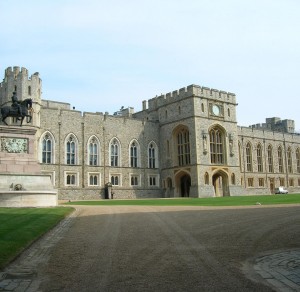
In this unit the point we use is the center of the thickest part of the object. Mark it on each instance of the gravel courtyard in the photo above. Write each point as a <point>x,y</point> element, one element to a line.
<point>134,248</point>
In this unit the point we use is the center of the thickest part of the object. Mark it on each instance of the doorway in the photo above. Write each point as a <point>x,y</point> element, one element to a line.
<point>220,183</point>
<point>185,185</point>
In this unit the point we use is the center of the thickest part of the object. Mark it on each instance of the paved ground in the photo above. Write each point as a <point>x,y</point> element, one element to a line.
<point>164,249</point>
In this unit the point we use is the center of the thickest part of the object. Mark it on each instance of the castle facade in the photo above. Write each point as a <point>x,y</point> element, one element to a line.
<point>185,143</point>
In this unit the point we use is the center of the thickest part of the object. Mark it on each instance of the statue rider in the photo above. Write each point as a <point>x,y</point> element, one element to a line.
<point>16,102</point>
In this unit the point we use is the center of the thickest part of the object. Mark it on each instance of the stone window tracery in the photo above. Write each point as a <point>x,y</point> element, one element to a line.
<point>114,152</point>
<point>298,160</point>
<point>134,180</point>
<point>249,156</point>
<point>134,153</point>
<point>93,152</point>
<point>115,180</point>
<point>70,179</point>
<point>71,150</point>
<point>94,180</point>
<point>216,146</point>
<point>280,159</point>
<point>183,147</point>
<point>47,149</point>
<point>289,160</point>
<point>259,158</point>
<point>270,159</point>
<point>152,155</point>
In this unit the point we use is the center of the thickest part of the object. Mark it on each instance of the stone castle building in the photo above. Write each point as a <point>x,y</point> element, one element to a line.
<point>185,143</point>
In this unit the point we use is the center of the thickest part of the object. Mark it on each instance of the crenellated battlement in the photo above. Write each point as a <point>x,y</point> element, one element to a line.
<point>189,91</point>
<point>17,72</point>
<point>17,79</point>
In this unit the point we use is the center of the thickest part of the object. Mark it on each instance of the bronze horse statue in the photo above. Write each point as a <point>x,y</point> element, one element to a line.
<point>24,110</point>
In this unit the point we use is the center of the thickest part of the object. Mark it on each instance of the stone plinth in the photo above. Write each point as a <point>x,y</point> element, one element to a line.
<point>21,182</point>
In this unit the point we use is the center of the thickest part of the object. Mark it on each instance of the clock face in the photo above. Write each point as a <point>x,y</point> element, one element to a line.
<point>216,110</point>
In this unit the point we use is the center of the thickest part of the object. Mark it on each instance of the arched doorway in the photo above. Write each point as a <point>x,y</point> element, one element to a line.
<point>185,185</point>
<point>220,183</point>
<point>182,184</point>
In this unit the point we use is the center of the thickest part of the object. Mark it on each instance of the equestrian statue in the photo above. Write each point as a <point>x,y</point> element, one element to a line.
<point>18,109</point>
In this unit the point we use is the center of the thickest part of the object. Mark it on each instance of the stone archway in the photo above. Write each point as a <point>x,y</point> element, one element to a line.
<point>183,184</point>
<point>220,183</point>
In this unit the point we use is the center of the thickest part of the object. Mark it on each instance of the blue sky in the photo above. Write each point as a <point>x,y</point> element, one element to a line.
<point>101,55</point>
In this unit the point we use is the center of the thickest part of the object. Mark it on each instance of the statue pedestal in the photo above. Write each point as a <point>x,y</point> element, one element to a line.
<point>21,182</point>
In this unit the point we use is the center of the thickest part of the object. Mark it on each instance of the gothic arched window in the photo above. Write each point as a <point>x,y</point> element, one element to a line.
<point>134,154</point>
<point>71,146</point>
<point>270,159</point>
<point>93,151</point>
<point>259,158</point>
<point>47,149</point>
<point>298,160</point>
<point>249,156</point>
<point>280,159</point>
<point>183,147</point>
<point>216,146</point>
<point>152,155</point>
<point>114,153</point>
<point>289,160</point>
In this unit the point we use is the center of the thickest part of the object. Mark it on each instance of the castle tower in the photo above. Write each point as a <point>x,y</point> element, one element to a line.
<point>16,79</point>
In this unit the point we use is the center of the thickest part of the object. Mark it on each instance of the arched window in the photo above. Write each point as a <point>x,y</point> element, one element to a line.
<point>249,156</point>
<point>216,146</point>
<point>114,153</point>
<point>152,155</point>
<point>270,159</point>
<point>47,149</point>
<point>289,160</point>
<point>29,90</point>
<point>71,179</point>
<point>233,179</point>
<point>298,160</point>
<point>206,178</point>
<point>94,180</point>
<point>71,148</point>
<point>93,151</point>
<point>115,180</point>
<point>259,158</point>
<point>183,147</point>
<point>280,159</point>
<point>134,154</point>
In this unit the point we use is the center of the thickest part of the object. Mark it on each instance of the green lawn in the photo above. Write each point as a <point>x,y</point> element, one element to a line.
<point>221,201</point>
<point>21,226</point>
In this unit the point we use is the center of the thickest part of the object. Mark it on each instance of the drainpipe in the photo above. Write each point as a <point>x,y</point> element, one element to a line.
<point>286,162</point>
<point>82,155</point>
<point>59,153</point>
